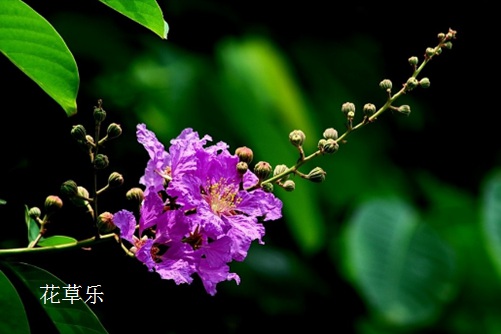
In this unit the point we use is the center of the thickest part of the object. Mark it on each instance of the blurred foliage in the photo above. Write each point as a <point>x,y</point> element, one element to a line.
<point>389,243</point>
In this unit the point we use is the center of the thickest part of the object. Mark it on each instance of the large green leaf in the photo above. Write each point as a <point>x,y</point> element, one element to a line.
<point>13,317</point>
<point>144,12</point>
<point>400,266</point>
<point>67,316</point>
<point>491,218</point>
<point>36,48</point>
<point>56,240</point>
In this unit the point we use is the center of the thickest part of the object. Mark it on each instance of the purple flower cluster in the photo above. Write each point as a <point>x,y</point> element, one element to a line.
<point>196,216</point>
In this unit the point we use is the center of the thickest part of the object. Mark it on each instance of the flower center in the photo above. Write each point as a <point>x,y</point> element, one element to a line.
<point>221,197</point>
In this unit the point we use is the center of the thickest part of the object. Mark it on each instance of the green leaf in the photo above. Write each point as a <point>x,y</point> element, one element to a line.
<point>491,218</point>
<point>35,47</point>
<point>145,12</point>
<point>67,317</point>
<point>33,228</point>
<point>56,240</point>
<point>13,317</point>
<point>400,266</point>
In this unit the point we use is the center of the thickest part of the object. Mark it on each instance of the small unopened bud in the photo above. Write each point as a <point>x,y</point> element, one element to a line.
<point>424,82</point>
<point>99,114</point>
<point>114,130</point>
<point>79,133</point>
<point>105,223</point>
<point>81,198</point>
<point>279,169</point>
<point>441,36</point>
<point>430,52</point>
<point>369,109</point>
<point>34,212</point>
<point>242,167</point>
<point>135,194</point>
<point>330,133</point>
<point>267,187</point>
<point>262,170</point>
<point>317,175</point>
<point>347,108</point>
<point>52,204</point>
<point>330,146</point>
<point>411,83</point>
<point>386,85</point>
<point>413,60</point>
<point>115,180</point>
<point>404,109</point>
<point>297,138</point>
<point>289,185</point>
<point>89,139</point>
<point>448,45</point>
<point>244,154</point>
<point>101,161</point>
<point>69,188</point>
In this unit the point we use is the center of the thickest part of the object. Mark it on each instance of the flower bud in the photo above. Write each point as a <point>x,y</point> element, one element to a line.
<point>34,212</point>
<point>101,161</point>
<point>430,52</point>
<point>330,133</point>
<point>404,109</point>
<point>330,146</point>
<point>81,198</point>
<point>267,187</point>
<point>105,223</point>
<point>425,82</point>
<point>412,83</point>
<point>99,114</point>
<point>52,204</point>
<point>135,194</point>
<point>289,185</point>
<point>369,110</point>
<point>413,60</point>
<point>386,85</point>
<point>347,108</point>
<point>448,45</point>
<point>69,189</point>
<point>441,36</point>
<point>244,154</point>
<point>297,138</point>
<point>242,167</point>
<point>114,130</point>
<point>279,169</point>
<point>262,170</point>
<point>317,175</point>
<point>79,133</point>
<point>115,180</point>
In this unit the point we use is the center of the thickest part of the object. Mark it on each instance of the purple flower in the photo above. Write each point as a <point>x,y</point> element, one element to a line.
<point>197,215</point>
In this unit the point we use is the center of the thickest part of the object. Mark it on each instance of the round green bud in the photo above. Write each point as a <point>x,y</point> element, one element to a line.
<point>330,146</point>
<point>441,36</point>
<point>267,187</point>
<point>369,110</point>
<point>279,169</point>
<point>262,170</point>
<point>114,130</point>
<point>448,45</point>
<point>242,167</point>
<point>350,114</point>
<point>412,83</point>
<point>321,143</point>
<point>79,133</point>
<point>330,133</point>
<point>404,109</point>
<point>413,60</point>
<point>297,138</point>
<point>289,185</point>
<point>99,114</point>
<point>80,199</point>
<point>244,154</point>
<point>424,82</point>
<point>430,52</point>
<point>69,189</point>
<point>105,223</point>
<point>115,180</point>
<point>386,85</point>
<point>135,194</point>
<point>101,161</point>
<point>52,204</point>
<point>34,212</point>
<point>317,175</point>
<point>347,108</point>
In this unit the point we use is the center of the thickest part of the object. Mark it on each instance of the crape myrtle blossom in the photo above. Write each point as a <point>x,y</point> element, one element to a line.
<point>196,216</point>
